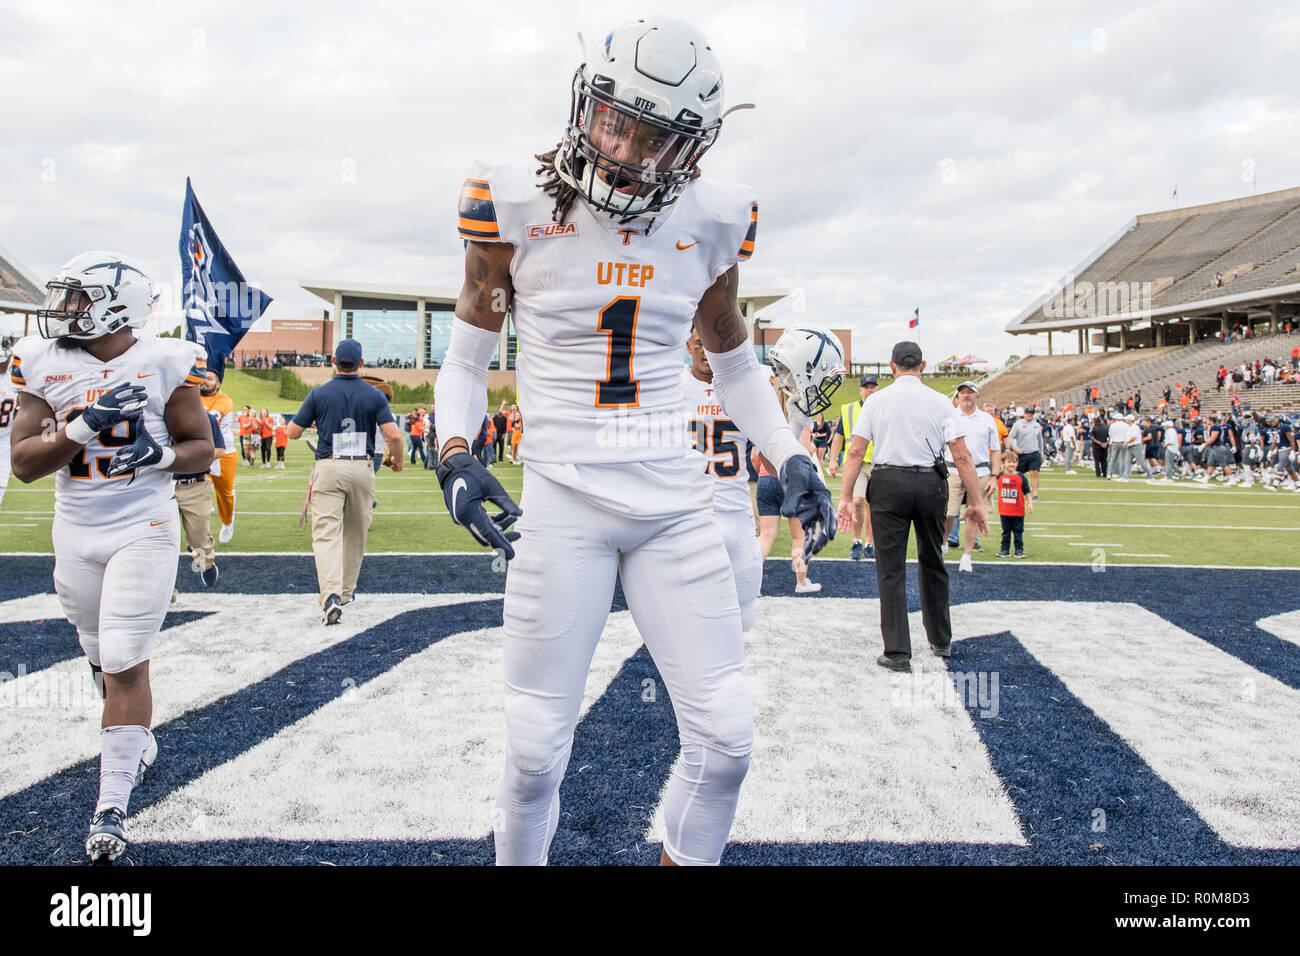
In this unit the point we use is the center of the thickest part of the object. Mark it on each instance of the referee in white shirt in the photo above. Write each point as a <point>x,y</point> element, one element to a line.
<point>910,424</point>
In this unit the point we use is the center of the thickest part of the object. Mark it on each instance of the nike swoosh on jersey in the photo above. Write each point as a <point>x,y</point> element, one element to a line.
<point>688,245</point>
<point>146,375</point>
<point>154,524</point>
<point>457,487</point>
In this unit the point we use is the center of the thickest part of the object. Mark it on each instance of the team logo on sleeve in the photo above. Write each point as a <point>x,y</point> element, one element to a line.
<point>551,230</point>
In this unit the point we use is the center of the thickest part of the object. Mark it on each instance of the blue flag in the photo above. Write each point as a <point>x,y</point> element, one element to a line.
<point>219,304</point>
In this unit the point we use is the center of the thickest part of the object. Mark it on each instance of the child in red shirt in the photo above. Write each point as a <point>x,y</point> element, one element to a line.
<point>281,440</point>
<point>1014,501</point>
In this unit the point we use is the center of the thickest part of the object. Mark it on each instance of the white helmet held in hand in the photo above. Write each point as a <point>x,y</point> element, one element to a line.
<point>646,106</point>
<point>95,294</point>
<point>809,364</point>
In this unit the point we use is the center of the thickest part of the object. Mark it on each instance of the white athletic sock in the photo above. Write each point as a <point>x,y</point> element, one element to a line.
<point>120,750</point>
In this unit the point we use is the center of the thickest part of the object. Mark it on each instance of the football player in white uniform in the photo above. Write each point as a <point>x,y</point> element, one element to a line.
<point>8,409</point>
<point>719,439</point>
<point>604,255</point>
<point>112,416</point>
<point>807,369</point>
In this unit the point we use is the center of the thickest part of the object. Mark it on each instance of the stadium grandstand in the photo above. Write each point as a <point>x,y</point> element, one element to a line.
<point>21,292</point>
<point>1172,298</point>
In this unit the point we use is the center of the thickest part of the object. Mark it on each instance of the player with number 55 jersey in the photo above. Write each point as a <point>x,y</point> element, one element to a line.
<point>112,416</point>
<point>603,256</point>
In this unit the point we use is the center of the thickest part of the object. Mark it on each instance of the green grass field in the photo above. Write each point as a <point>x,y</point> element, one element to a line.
<point>1078,516</point>
<point>245,389</point>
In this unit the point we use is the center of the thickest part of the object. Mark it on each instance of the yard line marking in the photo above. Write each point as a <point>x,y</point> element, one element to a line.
<point>1136,554</point>
<point>1177,527</point>
<point>1039,534</point>
<point>1164,504</point>
<point>1091,544</point>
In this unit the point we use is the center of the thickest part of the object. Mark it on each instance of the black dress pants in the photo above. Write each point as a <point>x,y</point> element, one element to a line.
<point>900,501</point>
<point>1099,459</point>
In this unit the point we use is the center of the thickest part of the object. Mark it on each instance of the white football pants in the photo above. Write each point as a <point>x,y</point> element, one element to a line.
<point>678,581</point>
<point>115,584</point>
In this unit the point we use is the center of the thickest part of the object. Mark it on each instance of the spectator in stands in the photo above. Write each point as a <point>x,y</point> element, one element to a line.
<point>1295,353</point>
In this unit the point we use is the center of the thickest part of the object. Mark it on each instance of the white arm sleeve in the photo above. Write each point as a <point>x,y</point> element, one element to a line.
<point>744,391</point>
<point>460,390</point>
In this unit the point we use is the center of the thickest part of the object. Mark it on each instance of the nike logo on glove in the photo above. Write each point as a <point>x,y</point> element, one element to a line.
<point>456,488</point>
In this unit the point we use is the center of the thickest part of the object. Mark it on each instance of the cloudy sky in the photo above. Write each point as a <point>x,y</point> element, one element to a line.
<point>956,156</point>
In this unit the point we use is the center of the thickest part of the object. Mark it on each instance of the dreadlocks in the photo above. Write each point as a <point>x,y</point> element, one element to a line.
<point>554,186</point>
<point>562,192</point>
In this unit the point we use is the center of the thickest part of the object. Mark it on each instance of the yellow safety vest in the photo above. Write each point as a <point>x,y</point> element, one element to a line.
<point>848,418</point>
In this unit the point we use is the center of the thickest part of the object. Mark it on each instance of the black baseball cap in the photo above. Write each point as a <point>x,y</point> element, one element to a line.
<point>868,380</point>
<point>906,355</point>
<point>348,352</point>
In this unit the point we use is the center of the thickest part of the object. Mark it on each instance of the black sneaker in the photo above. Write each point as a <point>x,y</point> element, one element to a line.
<point>1020,554</point>
<point>869,550</point>
<point>333,609</point>
<point>896,662</point>
<point>977,546</point>
<point>1004,554</point>
<point>107,839</point>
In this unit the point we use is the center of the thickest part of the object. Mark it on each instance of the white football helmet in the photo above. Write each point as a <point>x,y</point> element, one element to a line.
<point>809,365</point>
<point>646,106</point>
<point>94,294</point>
<point>6,348</point>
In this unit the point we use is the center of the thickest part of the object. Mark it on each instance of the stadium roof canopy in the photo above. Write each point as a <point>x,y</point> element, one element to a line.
<point>20,290</point>
<point>1236,257</point>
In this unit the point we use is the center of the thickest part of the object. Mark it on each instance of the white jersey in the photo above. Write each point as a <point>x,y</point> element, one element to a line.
<point>602,309</point>
<point>8,409</point>
<point>68,380</point>
<point>720,441</point>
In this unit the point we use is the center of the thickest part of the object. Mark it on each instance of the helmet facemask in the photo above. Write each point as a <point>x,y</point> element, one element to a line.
<point>625,160</point>
<point>69,310</point>
<point>810,397</point>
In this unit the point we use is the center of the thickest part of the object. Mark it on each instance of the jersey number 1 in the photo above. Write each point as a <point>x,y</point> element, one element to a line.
<point>618,321</point>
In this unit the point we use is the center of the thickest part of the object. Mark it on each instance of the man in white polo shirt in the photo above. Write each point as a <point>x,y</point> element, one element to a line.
<point>981,434</point>
<point>910,424</point>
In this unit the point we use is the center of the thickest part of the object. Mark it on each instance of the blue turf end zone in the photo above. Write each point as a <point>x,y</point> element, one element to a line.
<point>1058,761</point>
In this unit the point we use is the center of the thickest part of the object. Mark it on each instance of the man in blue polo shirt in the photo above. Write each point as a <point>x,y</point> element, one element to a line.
<point>346,411</point>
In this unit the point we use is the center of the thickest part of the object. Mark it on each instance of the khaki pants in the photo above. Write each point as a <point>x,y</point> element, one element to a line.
<point>195,504</point>
<point>341,508</point>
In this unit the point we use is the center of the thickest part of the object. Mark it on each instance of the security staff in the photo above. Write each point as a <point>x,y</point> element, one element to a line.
<point>861,513</point>
<point>346,411</point>
<point>910,424</point>
<point>195,503</point>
